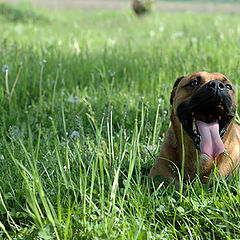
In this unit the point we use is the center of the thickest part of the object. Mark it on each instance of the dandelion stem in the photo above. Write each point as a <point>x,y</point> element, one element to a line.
<point>15,83</point>
<point>109,141</point>
<point>54,89</point>
<point>40,87</point>
<point>6,77</point>
<point>155,125</point>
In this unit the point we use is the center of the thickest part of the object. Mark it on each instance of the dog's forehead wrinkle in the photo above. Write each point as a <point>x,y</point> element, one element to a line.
<point>206,76</point>
<point>225,79</point>
<point>199,78</point>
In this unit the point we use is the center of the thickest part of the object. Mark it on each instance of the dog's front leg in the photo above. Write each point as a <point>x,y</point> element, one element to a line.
<point>165,164</point>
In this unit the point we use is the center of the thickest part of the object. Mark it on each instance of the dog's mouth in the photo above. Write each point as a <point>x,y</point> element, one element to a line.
<point>206,123</point>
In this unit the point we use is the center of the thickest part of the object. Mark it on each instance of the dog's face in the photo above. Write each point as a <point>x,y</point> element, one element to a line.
<point>207,98</point>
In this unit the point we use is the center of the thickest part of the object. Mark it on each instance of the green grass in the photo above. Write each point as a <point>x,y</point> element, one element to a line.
<point>91,97</point>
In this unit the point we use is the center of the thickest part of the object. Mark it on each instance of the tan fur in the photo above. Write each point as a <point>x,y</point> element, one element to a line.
<point>170,157</point>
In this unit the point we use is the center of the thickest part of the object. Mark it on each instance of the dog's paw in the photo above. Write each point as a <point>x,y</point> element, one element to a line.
<point>206,163</point>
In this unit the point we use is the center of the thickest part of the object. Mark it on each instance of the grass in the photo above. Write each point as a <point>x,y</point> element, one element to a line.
<point>90,103</point>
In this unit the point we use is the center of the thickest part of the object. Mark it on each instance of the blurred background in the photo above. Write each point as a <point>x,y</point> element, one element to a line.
<point>170,5</point>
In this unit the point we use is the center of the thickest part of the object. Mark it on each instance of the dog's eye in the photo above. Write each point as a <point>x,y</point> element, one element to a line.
<point>194,83</point>
<point>228,86</point>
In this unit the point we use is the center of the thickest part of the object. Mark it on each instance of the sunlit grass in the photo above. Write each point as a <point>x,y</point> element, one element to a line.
<point>84,110</point>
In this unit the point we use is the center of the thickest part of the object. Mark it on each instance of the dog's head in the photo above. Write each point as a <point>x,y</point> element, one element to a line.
<point>204,101</point>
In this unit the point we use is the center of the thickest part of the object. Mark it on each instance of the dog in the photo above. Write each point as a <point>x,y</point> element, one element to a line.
<point>203,132</point>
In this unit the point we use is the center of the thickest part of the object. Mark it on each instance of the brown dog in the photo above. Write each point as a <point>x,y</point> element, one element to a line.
<point>204,104</point>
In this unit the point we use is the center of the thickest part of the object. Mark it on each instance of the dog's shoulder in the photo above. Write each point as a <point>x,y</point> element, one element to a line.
<point>236,129</point>
<point>232,143</point>
<point>171,139</point>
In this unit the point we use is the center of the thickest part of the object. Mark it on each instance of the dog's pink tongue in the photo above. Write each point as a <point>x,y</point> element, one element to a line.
<point>211,143</point>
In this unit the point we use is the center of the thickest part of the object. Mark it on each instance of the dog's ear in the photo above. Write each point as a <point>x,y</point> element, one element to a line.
<point>174,88</point>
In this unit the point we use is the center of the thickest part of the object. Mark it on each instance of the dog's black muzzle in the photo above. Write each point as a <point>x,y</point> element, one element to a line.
<point>210,95</point>
<point>206,99</point>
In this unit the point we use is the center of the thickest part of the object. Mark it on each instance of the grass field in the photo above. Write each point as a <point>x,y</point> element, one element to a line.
<point>84,101</point>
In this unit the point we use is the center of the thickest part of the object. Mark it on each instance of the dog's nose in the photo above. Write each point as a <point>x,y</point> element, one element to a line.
<point>216,85</point>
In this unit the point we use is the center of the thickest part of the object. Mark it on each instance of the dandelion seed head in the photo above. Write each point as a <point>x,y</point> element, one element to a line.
<point>5,68</point>
<point>194,39</point>
<point>150,147</point>
<point>73,99</point>
<point>160,100</point>
<point>179,34</point>
<point>111,73</point>
<point>14,132</point>
<point>165,85</point>
<point>152,33</point>
<point>161,29</point>
<point>64,143</point>
<point>75,135</point>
